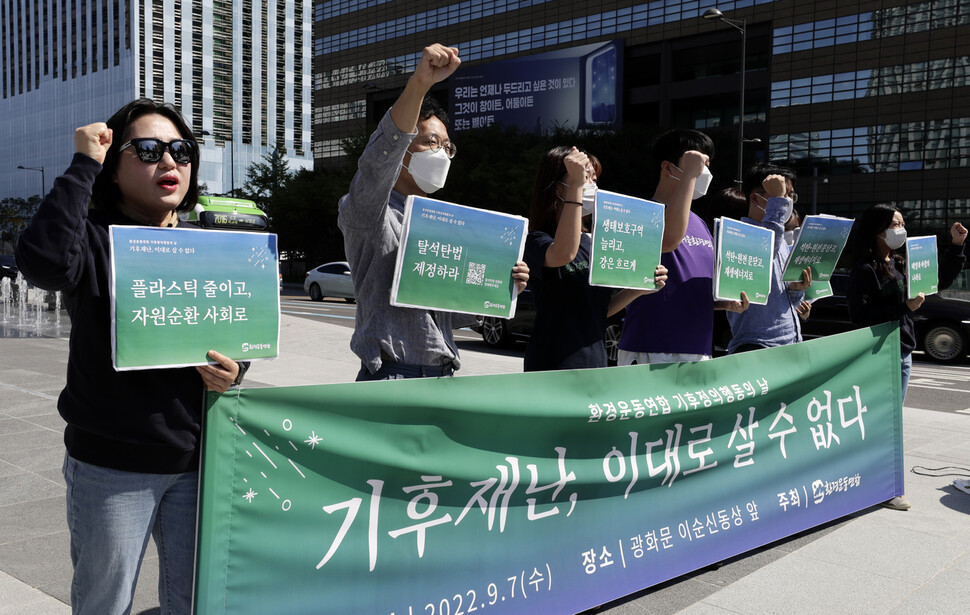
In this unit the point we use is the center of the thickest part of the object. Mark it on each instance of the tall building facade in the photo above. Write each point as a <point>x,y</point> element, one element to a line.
<point>867,99</point>
<point>239,70</point>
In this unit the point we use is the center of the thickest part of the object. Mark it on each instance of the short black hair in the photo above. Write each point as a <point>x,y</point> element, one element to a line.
<point>671,145</point>
<point>757,173</point>
<point>105,193</point>
<point>430,107</point>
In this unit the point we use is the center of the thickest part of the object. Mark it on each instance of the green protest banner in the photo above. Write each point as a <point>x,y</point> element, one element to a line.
<point>922,266</point>
<point>627,240</point>
<point>457,259</point>
<point>547,492</point>
<point>178,293</point>
<point>742,260</point>
<point>819,246</point>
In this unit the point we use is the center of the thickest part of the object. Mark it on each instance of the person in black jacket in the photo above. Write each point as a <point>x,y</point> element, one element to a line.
<point>132,437</point>
<point>876,291</point>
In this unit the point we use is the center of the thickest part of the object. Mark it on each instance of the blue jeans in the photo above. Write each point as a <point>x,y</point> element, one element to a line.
<point>907,364</point>
<point>110,514</point>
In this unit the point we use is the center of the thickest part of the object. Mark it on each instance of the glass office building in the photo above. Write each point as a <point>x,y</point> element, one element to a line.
<point>866,99</point>
<point>238,70</point>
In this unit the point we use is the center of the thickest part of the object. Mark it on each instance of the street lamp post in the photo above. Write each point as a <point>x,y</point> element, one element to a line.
<point>43,181</point>
<point>741,26</point>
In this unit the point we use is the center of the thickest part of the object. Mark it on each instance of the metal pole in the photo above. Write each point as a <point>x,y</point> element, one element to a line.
<point>814,190</point>
<point>744,39</point>
<point>43,181</point>
<point>232,167</point>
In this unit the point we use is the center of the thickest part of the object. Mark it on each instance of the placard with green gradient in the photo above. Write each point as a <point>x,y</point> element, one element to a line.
<point>546,492</point>
<point>457,259</point>
<point>627,240</point>
<point>818,290</point>
<point>922,266</point>
<point>819,246</point>
<point>742,261</point>
<point>178,293</point>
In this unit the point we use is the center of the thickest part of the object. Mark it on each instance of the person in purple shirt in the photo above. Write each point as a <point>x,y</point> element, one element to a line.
<point>677,324</point>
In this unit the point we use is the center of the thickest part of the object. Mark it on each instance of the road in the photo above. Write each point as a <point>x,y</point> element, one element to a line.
<point>339,312</point>
<point>943,388</point>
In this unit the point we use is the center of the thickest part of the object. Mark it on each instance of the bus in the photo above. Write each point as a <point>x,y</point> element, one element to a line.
<point>217,212</point>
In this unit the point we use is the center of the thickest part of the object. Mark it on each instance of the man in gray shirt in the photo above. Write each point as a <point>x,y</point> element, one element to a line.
<point>408,154</point>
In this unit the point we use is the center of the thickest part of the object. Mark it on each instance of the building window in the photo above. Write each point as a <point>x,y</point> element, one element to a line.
<point>884,23</point>
<point>934,144</point>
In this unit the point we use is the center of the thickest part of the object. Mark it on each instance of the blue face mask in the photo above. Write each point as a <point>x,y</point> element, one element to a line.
<point>786,211</point>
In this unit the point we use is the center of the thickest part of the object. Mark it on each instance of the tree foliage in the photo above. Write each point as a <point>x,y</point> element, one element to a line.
<point>15,215</point>
<point>266,179</point>
<point>305,216</point>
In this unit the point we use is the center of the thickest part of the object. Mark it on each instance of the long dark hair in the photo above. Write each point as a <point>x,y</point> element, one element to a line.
<point>865,243</point>
<point>105,193</point>
<point>552,169</point>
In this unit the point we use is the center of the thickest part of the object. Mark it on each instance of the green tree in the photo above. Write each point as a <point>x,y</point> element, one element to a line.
<point>15,215</point>
<point>305,216</point>
<point>264,179</point>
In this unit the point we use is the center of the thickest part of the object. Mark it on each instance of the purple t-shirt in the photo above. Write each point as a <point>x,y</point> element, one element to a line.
<point>679,318</point>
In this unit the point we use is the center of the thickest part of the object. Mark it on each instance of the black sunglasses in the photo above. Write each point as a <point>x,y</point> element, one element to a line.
<point>151,150</point>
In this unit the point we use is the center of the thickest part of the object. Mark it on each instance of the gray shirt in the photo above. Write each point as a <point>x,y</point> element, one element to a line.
<point>371,218</point>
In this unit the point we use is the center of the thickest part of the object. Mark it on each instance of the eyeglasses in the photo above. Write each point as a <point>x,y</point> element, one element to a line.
<point>434,142</point>
<point>183,151</point>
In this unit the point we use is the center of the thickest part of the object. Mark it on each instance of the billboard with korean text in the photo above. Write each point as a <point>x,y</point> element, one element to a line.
<point>548,492</point>
<point>575,88</point>
<point>178,293</point>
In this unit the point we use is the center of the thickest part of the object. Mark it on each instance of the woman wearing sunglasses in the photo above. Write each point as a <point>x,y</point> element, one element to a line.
<point>132,437</point>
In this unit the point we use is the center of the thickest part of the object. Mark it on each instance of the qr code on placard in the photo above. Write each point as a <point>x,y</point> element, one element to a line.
<point>476,274</point>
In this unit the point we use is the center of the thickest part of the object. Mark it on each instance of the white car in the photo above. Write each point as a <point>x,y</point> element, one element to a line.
<point>330,280</point>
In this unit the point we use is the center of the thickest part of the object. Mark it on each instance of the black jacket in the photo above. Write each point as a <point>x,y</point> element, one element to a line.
<point>875,299</point>
<point>137,421</point>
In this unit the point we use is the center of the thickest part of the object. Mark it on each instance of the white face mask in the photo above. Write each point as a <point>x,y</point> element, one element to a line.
<point>790,237</point>
<point>429,169</point>
<point>894,237</point>
<point>589,198</point>
<point>701,184</point>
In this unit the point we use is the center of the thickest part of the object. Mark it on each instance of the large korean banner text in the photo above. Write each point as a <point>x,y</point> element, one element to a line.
<point>177,293</point>
<point>547,492</point>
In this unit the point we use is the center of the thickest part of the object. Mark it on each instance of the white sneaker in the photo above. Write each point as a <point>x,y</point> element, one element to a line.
<point>963,484</point>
